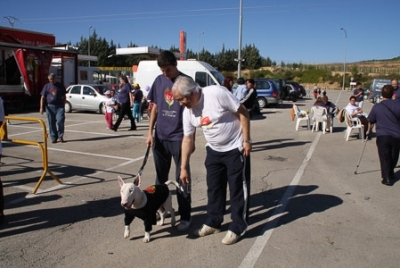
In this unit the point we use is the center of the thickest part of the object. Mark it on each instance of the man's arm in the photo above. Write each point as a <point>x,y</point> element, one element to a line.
<point>186,151</point>
<point>244,118</point>
<point>41,105</point>
<point>152,123</point>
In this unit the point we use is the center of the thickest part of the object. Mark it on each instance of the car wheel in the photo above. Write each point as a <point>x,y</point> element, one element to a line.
<point>102,108</point>
<point>262,102</point>
<point>68,107</point>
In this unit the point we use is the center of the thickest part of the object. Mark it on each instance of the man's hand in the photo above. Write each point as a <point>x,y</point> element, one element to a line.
<point>246,148</point>
<point>184,177</point>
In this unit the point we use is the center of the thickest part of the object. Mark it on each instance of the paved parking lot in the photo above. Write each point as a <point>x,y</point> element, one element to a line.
<point>308,208</point>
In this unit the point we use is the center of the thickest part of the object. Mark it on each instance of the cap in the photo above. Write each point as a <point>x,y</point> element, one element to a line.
<point>136,85</point>
<point>107,92</point>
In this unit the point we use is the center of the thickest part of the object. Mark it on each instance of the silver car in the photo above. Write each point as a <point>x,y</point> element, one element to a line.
<point>86,98</point>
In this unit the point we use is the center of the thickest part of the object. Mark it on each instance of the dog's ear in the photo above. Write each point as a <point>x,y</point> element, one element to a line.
<point>121,181</point>
<point>137,181</point>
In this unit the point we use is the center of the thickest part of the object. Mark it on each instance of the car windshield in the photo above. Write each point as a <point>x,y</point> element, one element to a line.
<point>218,76</point>
<point>101,89</point>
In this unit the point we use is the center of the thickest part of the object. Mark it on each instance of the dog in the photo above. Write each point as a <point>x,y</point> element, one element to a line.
<point>145,204</point>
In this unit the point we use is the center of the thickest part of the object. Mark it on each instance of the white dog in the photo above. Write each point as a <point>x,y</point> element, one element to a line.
<point>145,204</point>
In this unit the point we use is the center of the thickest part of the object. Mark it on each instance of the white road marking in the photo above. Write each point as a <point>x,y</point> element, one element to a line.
<point>255,251</point>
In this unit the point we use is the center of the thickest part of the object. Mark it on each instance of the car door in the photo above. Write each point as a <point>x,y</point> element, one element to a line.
<point>74,97</point>
<point>89,98</point>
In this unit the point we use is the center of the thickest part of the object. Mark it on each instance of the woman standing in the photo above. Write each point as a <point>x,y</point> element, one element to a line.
<point>124,99</point>
<point>386,116</point>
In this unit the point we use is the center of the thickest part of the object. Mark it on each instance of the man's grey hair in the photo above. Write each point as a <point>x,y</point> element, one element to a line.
<point>52,75</point>
<point>185,85</point>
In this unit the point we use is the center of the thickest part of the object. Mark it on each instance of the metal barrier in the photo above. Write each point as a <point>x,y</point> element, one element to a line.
<point>41,145</point>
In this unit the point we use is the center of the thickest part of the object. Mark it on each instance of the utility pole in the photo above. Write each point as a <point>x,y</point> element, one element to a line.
<point>239,59</point>
<point>11,20</point>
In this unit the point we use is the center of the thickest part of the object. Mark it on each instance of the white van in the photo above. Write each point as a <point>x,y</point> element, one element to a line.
<point>203,73</point>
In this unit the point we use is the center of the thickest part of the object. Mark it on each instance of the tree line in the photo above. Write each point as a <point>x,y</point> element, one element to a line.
<point>225,62</point>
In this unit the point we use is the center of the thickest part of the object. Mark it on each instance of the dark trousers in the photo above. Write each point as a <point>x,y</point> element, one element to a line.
<point>365,123</point>
<point>163,153</point>
<point>388,150</point>
<point>227,168</point>
<point>125,109</point>
<point>1,198</point>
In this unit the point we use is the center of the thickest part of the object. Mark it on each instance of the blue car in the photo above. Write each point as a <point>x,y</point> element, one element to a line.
<point>267,92</point>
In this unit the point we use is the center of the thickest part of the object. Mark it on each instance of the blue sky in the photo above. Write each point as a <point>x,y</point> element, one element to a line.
<point>292,31</point>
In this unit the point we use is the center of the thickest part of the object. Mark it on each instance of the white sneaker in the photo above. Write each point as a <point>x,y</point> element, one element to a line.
<point>206,230</point>
<point>230,238</point>
<point>184,225</point>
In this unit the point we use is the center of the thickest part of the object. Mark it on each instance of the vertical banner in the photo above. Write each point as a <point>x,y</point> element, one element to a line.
<point>34,67</point>
<point>182,44</point>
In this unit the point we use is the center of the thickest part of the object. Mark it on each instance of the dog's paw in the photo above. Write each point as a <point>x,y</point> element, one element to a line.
<point>127,232</point>
<point>146,238</point>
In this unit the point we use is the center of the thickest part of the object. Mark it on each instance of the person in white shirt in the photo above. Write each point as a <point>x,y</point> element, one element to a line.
<point>226,127</point>
<point>241,90</point>
<point>354,111</point>
<point>110,102</point>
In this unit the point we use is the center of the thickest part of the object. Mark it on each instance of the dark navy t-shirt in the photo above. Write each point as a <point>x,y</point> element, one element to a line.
<point>386,122</point>
<point>169,112</point>
<point>54,93</point>
<point>124,94</point>
<point>397,93</point>
<point>361,97</point>
<point>138,94</point>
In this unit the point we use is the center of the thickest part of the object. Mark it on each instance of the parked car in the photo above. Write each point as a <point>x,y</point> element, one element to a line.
<point>281,87</point>
<point>299,88</point>
<point>293,93</point>
<point>375,89</point>
<point>267,92</point>
<point>86,98</point>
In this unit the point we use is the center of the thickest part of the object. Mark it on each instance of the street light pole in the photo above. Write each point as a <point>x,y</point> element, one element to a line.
<point>198,46</point>
<point>89,43</point>
<point>240,40</point>
<point>345,48</point>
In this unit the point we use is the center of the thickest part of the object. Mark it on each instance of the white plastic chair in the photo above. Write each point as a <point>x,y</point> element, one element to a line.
<point>353,123</point>
<point>319,115</point>
<point>301,115</point>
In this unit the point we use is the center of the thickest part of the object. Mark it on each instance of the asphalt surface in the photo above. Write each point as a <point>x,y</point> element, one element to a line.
<point>308,207</point>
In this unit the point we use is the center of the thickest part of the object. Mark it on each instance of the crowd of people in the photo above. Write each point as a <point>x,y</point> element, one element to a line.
<point>180,106</point>
<point>384,116</point>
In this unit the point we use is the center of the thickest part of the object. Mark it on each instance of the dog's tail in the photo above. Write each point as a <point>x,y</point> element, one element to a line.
<point>179,187</point>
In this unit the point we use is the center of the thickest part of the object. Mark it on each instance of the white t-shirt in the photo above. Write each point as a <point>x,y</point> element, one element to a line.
<point>216,115</point>
<point>110,109</point>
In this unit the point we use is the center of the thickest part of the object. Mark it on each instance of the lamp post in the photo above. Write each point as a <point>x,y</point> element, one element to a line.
<point>198,46</point>
<point>345,48</point>
<point>239,59</point>
<point>89,43</point>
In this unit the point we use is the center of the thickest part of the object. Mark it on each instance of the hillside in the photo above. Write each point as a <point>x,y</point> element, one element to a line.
<point>363,71</point>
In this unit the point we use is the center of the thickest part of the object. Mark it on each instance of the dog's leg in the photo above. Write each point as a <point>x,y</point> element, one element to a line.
<point>146,238</point>
<point>161,212</point>
<point>128,220</point>
<point>127,232</point>
<point>168,207</point>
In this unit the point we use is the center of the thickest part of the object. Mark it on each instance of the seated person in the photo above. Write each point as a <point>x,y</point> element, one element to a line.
<point>330,106</point>
<point>356,112</point>
<point>319,102</point>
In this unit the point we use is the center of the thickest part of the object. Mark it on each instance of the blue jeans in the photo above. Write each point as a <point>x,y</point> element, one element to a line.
<point>56,119</point>
<point>137,111</point>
